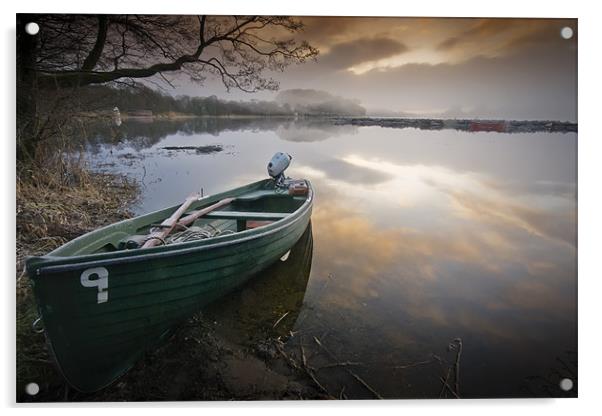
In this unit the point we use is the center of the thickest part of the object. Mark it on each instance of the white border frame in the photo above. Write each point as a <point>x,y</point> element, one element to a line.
<point>589,206</point>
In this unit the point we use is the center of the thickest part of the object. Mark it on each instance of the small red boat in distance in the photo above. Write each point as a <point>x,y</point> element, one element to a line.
<point>499,126</point>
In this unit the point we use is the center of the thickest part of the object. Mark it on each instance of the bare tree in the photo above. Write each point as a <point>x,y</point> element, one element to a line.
<point>72,51</point>
<point>76,50</point>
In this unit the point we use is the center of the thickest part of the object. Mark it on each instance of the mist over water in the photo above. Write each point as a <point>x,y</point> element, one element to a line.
<point>419,237</point>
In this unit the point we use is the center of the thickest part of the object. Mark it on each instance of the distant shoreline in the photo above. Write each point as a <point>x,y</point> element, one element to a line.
<point>472,125</point>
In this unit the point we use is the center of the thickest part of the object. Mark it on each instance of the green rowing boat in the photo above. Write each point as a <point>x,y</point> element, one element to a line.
<point>109,295</point>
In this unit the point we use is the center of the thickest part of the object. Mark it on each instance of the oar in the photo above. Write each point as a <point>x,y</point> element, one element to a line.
<point>168,224</point>
<point>189,219</point>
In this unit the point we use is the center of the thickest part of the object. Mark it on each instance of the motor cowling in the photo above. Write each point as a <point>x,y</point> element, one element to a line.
<point>280,161</point>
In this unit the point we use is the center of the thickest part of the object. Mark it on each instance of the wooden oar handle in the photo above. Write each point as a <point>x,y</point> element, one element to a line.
<point>168,224</point>
<point>189,219</point>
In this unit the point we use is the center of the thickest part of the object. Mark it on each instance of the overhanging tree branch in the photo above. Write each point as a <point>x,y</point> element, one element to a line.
<point>79,78</point>
<point>139,46</point>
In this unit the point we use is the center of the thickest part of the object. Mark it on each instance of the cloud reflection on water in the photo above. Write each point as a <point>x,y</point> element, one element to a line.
<point>497,252</point>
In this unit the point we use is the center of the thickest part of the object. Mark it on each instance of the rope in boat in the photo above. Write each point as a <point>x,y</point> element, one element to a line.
<point>155,237</point>
<point>193,234</point>
<point>187,234</point>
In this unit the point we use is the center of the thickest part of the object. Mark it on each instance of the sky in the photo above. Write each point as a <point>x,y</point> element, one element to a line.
<point>501,68</point>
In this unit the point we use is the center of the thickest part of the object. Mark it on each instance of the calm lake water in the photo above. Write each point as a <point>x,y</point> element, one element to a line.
<point>419,237</point>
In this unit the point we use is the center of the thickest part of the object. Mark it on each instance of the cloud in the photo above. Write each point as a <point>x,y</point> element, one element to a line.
<point>449,43</point>
<point>544,35</point>
<point>486,275</point>
<point>495,269</point>
<point>521,70</point>
<point>498,68</point>
<point>472,197</point>
<point>506,36</point>
<point>533,84</point>
<point>553,225</point>
<point>479,31</point>
<point>342,170</point>
<point>326,31</point>
<point>348,54</point>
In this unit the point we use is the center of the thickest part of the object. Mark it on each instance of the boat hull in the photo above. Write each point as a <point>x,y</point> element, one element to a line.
<point>97,333</point>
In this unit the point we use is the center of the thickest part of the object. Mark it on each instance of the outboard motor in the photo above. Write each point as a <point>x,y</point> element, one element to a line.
<point>280,161</point>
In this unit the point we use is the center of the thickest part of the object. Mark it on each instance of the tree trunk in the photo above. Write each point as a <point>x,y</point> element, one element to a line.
<point>26,90</point>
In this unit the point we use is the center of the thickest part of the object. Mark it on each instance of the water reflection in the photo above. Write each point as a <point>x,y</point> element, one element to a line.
<point>139,134</point>
<point>273,296</point>
<point>311,130</point>
<point>420,237</point>
<point>494,272</point>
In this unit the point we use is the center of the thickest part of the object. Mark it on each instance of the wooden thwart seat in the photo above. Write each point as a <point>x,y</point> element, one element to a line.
<point>238,215</point>
<point>246,220</point>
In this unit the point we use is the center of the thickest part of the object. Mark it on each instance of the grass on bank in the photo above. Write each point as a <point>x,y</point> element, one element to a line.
<point>58,199</point>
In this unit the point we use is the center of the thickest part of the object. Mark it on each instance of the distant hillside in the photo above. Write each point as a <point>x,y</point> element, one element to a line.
<point>315,102</point>
<point>287,103</point>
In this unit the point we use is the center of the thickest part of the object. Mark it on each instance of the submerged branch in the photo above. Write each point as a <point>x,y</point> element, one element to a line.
<point>351,373</point>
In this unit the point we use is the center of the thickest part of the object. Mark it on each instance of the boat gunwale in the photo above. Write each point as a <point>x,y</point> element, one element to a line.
<point>69,263</point>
